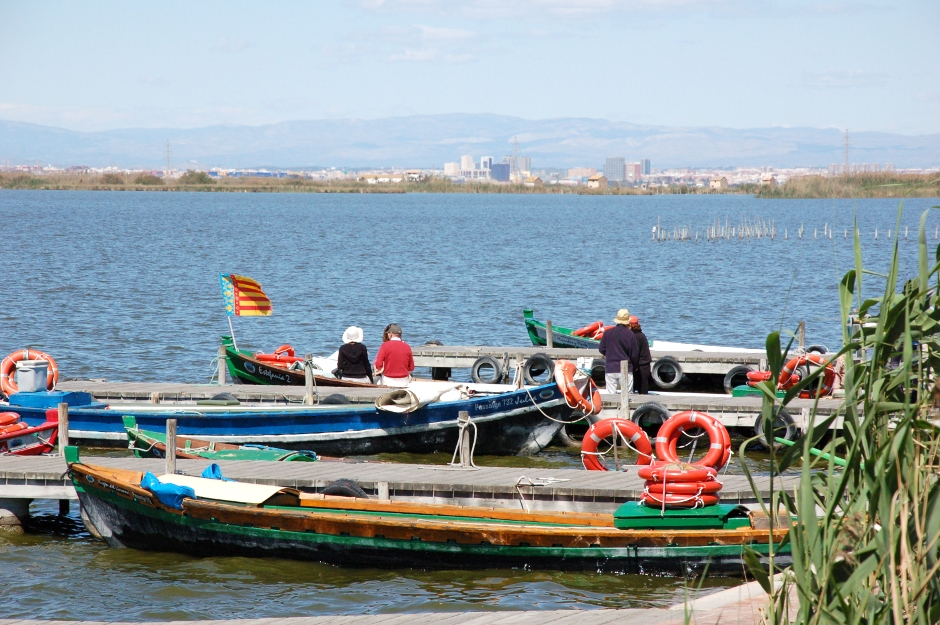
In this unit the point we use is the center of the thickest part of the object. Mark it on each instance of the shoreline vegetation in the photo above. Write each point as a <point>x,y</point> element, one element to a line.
<point>869,185</point>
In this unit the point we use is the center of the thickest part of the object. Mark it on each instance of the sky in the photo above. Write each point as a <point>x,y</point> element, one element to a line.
<point>866,66</point>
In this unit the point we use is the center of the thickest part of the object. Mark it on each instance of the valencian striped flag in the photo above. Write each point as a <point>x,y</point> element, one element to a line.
<point>244,297</point>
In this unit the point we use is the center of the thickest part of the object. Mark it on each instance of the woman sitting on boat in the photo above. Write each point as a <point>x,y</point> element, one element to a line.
<point>353,360</point>
<point>395,361</point>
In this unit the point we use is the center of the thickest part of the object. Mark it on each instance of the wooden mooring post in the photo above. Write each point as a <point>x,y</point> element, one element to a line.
<point>308,380</point>
<point>170,447</point>
<point>549,339</point>
<point>63,435</point>
<point>222,365</point>
<point>624,391</point>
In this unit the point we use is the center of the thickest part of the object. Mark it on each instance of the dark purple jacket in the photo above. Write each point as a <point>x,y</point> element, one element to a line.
<point>618,344</point>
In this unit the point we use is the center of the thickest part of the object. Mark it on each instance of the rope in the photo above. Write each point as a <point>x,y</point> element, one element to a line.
<point>539,481</point>
<point>473,446</point>
<point>548,416</point>
<point>215,363</point>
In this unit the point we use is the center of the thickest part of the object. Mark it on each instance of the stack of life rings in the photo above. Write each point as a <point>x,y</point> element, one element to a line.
<point>670,483</point>
<point>10,422</point>
<point>8,369</point>
<point>788,376</point>
<point>594,331</point>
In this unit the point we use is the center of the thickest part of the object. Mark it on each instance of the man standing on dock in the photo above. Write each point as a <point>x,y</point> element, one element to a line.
<point>619,344</point>
<point>394,360</point>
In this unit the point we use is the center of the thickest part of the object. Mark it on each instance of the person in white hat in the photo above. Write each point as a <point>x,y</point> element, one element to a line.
<point>353,360</point>
<point>619,344</point>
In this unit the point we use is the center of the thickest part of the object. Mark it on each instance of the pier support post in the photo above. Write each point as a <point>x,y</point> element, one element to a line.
<point>549,339</point>
<point>63,435</point>
<point>624,391</point>
<point>222,364</point>
<point>801,334</point>
<point>308,379</point>
<point>13,513</point>
<point>63,507</point>
<point>170,447</point>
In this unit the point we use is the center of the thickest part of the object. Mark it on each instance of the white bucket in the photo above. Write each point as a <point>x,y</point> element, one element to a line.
<point>31,375</point>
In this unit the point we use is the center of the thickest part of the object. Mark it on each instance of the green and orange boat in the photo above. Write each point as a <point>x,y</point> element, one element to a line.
<point>202,516</point>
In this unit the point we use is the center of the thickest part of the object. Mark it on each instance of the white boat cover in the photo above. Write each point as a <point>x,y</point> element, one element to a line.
<point>236,492</point>
<point>669,346</point>
<point>412,397</point>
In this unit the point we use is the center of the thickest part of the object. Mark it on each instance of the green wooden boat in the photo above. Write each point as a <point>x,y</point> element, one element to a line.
<point>248,367</point>
<point>153,445</point>
<point>561,336</point>
<point>201,516</point>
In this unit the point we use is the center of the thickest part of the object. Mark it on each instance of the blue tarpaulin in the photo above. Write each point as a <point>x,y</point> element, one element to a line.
<point>214,472</point>
<point>169,494</point>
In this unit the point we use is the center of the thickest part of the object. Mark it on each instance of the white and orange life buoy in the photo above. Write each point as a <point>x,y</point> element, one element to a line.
<point>590,401</point>
<point>788,378</point>
<point>719,451</point>
<point>8,369</point>
<point>603,429</point>
<point>283,355</point>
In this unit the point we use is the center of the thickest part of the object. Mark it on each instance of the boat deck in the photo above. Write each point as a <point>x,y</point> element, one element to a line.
<point>43,477</point>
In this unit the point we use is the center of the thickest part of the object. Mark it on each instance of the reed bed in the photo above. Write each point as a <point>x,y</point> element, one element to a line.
<point>865,538</point>
<point>863,185</point>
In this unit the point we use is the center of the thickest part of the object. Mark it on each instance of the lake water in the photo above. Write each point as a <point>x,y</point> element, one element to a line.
<point>125,286</point>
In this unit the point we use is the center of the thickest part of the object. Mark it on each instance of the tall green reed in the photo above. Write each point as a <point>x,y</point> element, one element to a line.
<point>865,539</point>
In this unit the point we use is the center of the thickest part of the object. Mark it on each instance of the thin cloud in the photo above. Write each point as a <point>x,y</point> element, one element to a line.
<point>842,79</point>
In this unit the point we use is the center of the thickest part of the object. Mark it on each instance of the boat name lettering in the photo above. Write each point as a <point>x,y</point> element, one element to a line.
<point>504,402</point>
<point>273,375</point>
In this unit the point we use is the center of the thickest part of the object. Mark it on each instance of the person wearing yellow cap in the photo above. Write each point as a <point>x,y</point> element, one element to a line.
<point>619,344</point>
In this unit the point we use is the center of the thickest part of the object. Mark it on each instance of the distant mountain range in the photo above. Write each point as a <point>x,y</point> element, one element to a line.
<point>422,141</point>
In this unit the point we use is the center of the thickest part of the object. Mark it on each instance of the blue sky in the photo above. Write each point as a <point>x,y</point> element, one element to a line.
<point>100,65</point>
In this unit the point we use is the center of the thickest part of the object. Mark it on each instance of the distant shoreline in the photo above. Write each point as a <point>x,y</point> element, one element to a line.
<point>880,185</point>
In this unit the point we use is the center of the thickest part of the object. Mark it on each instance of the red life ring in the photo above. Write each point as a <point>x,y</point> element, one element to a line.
<point>284,350</point>
<point>678,501</point>
<point>6,418</point>
<point>589,329</point>
<point>674,473</point>
<point>720,441</point>
<point>564,378</point>
<point>788,378</point>
<point>8,369</point>
<point>684,488</point>
<point>15,427</point>
<point>604,428</point>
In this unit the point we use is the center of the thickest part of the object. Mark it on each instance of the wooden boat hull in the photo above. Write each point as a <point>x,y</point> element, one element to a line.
<point>153,445</point>
<point>33,441</point>
<point>124,515</point>
<point>520,422</point>
<point>561,336</point>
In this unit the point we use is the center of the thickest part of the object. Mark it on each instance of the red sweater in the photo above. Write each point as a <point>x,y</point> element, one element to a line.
<point>394,359</point>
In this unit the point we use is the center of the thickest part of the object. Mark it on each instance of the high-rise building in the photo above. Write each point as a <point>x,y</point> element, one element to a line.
<point>615,169</point>
<point>466,162</point>
<point>451,169</point>
<point>525,165</point>
<point>645,163</point>
<point>500,172</point>
<point>581,172</point>
<point>486,162</point>
<point>634,171</point>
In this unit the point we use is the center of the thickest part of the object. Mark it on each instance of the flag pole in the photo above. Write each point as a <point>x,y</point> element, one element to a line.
<point>234,344</point>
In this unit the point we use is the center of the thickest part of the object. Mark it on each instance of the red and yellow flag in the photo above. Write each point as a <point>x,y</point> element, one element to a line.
<point>243,296</point>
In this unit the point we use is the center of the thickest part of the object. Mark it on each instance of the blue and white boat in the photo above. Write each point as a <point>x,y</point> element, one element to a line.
<point>514,422</point>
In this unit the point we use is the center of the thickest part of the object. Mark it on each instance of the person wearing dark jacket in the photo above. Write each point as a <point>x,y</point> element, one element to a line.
<point>353,360</point>
<point>619,344</point>
<point>641,377</point>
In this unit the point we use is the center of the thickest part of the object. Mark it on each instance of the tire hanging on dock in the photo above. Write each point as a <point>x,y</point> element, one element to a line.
<point>663,365</point>
<point>480,365</point>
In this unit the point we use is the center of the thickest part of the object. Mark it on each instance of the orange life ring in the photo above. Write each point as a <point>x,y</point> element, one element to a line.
<point>285,350</point>
<point>684,488</point>
<point>604,428</point>
<point>6,418</point>
<point>564,378</point>
<point>8,369</point>
<point>15,427</point>
<point>720,441</point>
<point>589,329</point>
<point>678,501</point>
<point>667,473</point>
<point>788,378</point>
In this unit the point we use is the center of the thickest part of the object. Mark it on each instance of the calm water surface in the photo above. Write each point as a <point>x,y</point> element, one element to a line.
<point>124,286</point>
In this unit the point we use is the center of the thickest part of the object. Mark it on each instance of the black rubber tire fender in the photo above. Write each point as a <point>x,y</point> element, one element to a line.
<point>650,416</point>
<point>736,377</point>
<point>535,363</point>
<point>599,372</point>
<point>784,427</point>
<point>335,399</point>
<point>223,397</point>
<point>564,439</point>
<point>344,488</point>
<point>817,349</point>
<point>666,361</point>
<point>486,361</point>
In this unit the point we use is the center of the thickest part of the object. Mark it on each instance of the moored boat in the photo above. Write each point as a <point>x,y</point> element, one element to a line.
<point>17,438</point>
<point>203,516</point>
<point>282,367</point>
<point>517,422</point>
<point>147,444</point>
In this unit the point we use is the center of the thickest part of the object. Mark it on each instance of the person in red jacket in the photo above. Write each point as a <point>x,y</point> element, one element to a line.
<point>394,360</point>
